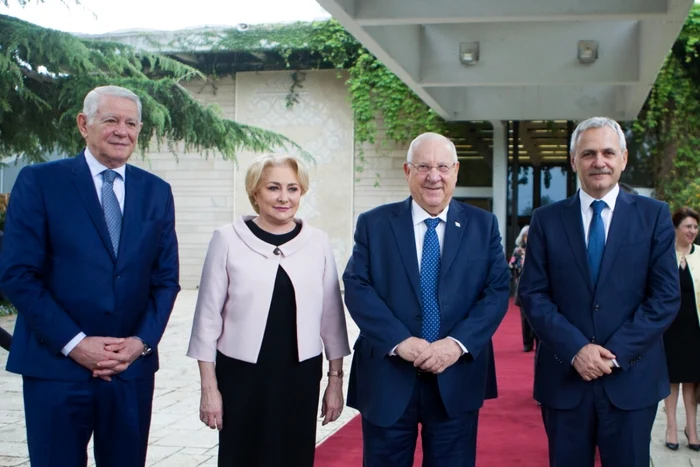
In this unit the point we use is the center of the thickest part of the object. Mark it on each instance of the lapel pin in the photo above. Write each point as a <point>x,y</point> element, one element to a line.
<point>458,224</point>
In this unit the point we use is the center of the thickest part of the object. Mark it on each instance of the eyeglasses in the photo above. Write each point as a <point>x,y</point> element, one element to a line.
<point>424,168</point>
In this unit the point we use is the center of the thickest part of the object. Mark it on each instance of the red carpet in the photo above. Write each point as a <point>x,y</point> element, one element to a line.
<point>510,427</point>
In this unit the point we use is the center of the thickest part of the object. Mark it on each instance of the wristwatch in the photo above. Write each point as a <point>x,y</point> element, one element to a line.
<point>338,373</point>
<point>147,350</point>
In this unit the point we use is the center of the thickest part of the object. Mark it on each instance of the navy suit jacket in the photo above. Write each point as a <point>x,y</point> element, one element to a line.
<point>59,269</point>
<point>635,300</point>
<point>382,293</point>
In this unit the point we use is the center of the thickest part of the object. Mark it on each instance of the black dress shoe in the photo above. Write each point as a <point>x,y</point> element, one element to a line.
<point>672,446</point>
<point>694,447</point>
<point>527,348</point>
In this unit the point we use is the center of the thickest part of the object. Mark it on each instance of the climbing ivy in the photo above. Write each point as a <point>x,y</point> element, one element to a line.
<point>378,98</point>
<point>669,125</point>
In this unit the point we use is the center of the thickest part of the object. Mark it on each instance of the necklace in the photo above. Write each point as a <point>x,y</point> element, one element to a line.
<point>682,253</point>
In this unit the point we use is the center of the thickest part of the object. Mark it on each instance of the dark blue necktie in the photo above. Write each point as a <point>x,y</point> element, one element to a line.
<point>429,275</point>
<point>110,206</point>
<point>596,239</point>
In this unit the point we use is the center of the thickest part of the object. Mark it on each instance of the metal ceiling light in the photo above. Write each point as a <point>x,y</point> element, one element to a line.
<point>587,51</point>
<point>469,53</point>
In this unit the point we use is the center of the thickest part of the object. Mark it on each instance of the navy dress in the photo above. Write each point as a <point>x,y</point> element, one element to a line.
<point>270,407</point>
<point>682,338</point>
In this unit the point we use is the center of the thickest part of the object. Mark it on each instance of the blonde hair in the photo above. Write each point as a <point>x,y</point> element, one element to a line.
<point>261,163</point>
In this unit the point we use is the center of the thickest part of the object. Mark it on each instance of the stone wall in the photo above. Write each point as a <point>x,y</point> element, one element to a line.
<point>210,192</point>
<point>203,185</point>
<point>380,178</point>
<point>321,123</point>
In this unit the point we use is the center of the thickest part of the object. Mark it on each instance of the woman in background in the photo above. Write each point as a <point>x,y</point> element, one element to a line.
<point>516,267</point>
<point>682,338</point>
<point>269,302</point>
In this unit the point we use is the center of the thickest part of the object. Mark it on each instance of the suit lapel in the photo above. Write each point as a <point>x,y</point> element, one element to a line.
<point>402,226</point>
<point>85,186</point>
<point>133,197</point>
<point>454,230</point>
<point>573,225</point>
<point>619,226</point>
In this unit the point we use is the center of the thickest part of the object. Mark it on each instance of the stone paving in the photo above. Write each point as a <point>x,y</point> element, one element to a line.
<point>179,439</point>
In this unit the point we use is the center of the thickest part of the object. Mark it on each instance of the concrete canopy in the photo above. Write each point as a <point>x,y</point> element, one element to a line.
<point>528,67</point>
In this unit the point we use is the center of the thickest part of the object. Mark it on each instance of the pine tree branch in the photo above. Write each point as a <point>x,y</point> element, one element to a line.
<point>45,75</point>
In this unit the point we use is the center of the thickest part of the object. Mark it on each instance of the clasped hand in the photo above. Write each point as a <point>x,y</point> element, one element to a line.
<point>593,361</point>
<point>106,356</point>
<point>434,358</point>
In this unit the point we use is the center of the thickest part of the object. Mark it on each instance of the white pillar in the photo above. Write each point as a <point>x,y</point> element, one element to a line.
<point>500,176</point>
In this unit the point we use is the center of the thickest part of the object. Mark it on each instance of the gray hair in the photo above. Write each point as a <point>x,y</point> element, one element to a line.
<point>521,236</point>
<point>92,100</point>
<point>597,122</point>
<point>430,137</point>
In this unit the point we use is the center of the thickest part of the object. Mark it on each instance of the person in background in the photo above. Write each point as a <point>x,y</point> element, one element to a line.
<point>427,284</point>
<point>269,302</point>
<point>682,338</point>
<point>5,337</point>
<point>90,261</point>
<point>599,287</point>
<point>516,267</point>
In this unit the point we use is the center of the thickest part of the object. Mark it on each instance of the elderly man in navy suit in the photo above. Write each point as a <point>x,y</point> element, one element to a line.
<point>599,286</point>
<point>90,261</point>
<point>427,284</point>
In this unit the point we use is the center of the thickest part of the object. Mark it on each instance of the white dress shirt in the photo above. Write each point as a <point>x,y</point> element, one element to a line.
<point>587,211</point>
<point>96,169</point>
<point>419,229</point>
<point>587,214</point>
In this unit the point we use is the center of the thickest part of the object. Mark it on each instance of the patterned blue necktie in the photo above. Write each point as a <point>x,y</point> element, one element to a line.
<point>596,240</point>
<point>429,275</point>
<point>110,206</point>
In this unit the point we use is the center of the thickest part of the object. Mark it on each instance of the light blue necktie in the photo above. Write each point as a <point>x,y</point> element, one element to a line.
<point>596,240</point>
<point>429,275</point>
<point>110,206</point>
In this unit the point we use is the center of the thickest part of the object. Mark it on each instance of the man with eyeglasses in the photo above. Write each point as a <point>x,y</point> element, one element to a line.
<point>427,284</point>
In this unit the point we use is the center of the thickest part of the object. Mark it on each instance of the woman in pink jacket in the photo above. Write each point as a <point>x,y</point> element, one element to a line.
<point>269,303</point>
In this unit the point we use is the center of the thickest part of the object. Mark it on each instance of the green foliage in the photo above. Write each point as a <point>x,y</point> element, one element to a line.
<point>6,308</point>
<point>376,94</point>
<point>298,77</point>
<point>46,103</point>
<point>669,125</point>
<point>45,74</point>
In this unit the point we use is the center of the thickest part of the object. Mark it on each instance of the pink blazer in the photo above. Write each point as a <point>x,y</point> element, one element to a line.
<point>235,292</point>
